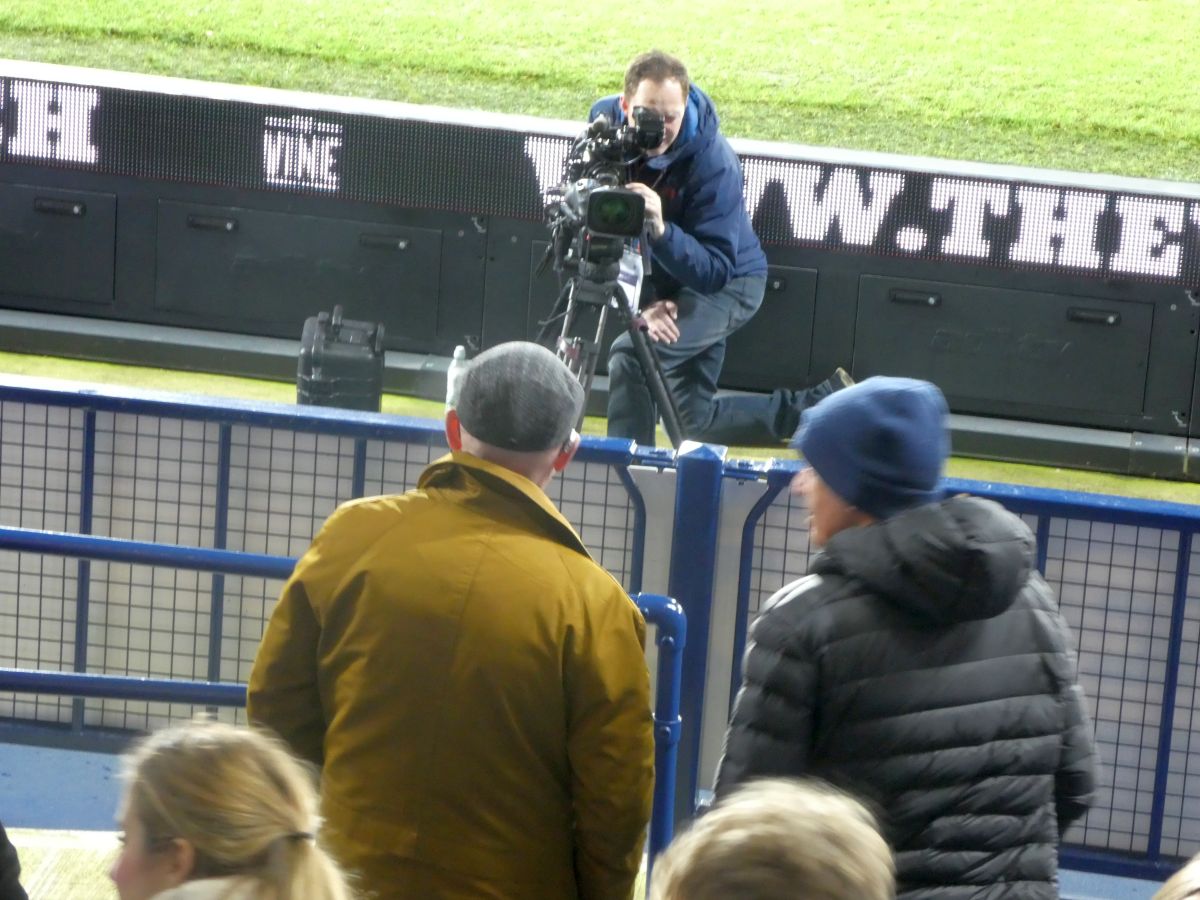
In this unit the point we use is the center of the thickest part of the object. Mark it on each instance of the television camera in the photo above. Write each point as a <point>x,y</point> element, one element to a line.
<point>596,224</point>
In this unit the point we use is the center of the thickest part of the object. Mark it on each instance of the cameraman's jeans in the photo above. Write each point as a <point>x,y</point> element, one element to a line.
<point>691,367</point>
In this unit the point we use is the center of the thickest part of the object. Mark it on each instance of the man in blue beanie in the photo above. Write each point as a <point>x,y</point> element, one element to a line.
<point>922,664</point>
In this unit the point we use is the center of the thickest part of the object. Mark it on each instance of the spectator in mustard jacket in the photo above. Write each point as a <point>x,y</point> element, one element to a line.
<point>471,683</point>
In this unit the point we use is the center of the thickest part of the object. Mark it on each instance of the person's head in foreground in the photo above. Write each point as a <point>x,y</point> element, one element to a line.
<point>517,407</point>
<point>1184,884</point>
<point>873,450</point>
<point>778,840</point>
<point>216,810</point>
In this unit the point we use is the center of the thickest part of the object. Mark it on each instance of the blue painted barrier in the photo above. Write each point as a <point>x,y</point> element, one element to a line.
<point>85,460</point>
<point>671,622</point>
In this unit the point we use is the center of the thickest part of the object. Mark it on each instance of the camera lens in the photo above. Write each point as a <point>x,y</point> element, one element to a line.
<point>615,212</point>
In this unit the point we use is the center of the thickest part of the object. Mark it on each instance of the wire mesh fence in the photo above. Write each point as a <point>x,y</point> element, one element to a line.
<point>1136,626</point>
<point>1128,581</point>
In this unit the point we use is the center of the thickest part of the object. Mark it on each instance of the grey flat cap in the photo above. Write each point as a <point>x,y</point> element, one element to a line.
<point>519,396</point>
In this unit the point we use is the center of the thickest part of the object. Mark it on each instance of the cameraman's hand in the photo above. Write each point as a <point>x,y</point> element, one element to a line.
<point>654,216</point>
<point>660,319</point>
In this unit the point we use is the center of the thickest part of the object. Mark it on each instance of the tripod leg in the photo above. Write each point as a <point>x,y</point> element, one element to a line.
<point>568,346</point>
<point>559,310</point>
<point>578,353</point>
<point>588,372</point>
<point>652,369</point>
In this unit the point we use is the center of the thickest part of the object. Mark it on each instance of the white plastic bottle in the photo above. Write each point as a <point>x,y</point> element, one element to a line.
<point>458,364</point>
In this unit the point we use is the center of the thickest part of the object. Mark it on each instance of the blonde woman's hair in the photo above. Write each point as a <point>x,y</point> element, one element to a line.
<point>1184,884</point>
<point>243,802</point>
<point>777,839</point>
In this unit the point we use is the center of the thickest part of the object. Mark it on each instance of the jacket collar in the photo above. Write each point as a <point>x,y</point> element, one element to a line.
<point>497,478</point>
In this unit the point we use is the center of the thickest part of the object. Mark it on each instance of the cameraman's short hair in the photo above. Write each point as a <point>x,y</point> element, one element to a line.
<point>655,66</point>
<point>776,840</point>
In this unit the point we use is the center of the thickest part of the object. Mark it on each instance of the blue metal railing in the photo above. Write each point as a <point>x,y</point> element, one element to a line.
<point>697,511</point>
<point>1182,519</point>
<point>671,622</point>
<point>123,687</point>
<point>227,412</point>
<point>700,478</point>
<point>199,559</point>
<point>663,612</point>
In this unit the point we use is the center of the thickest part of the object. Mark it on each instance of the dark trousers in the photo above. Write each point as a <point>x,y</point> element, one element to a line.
<point>691,367</point>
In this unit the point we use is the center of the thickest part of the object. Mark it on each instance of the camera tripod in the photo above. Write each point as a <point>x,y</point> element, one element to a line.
<point>581,297</point>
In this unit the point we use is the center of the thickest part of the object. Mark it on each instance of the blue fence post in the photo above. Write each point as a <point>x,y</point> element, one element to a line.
<point>358,475</point>
<point>216,613</point>
<point>1162,767</point>
<point>638,552</point>
<point>745,570</point>
<point>1043,542</point>
<point>83,570</point>
<point>671,623</point>
<point>690,582</point>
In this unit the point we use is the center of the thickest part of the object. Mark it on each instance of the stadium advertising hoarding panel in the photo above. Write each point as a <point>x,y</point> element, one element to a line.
<point>473,186</point>
<point>484,170</point>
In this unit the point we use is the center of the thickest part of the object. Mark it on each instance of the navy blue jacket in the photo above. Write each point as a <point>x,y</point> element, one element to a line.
<point>708,240</point>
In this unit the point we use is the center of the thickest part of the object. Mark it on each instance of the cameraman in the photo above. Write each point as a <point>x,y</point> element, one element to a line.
<point>708,272</point>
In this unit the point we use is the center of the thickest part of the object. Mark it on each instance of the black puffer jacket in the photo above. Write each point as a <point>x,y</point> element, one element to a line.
<point>923,666</point>
<point>10,870</point>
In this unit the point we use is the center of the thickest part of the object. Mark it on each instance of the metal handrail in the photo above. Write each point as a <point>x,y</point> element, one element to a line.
<point>122,687</point>
<point>176,556</point>
<point>671,623</point>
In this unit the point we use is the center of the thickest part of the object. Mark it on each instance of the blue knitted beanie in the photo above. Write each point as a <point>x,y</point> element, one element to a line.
<point>880,444</point>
